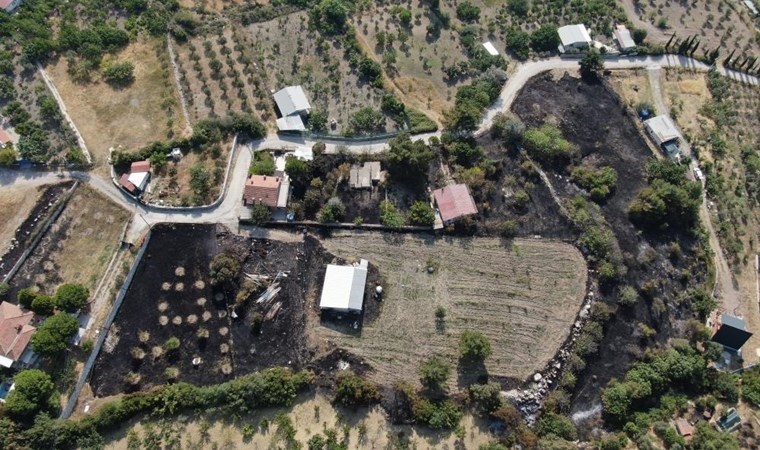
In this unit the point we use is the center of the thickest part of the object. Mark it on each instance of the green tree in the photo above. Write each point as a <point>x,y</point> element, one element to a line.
<point>263,164</point>
<point>518,42</point>
<point>600,183</point>
<point>467,12</point>
<point>200,180</point>
<point>318,120</point>
<point>420,213</point>
<point>474,345</point>
<point>25,297</point>
<point>366,121</point>
<point>545,39</point>
<point>486,397</point>
<point>547,145</point>
<point>408,160</point>
<point>71,297</point>
<point>556,425</point>
<point>390,215</point>
<point>224,270</point>
<point>708,438</point>
<point>333,211</point>
<point>52,337</point>
<point>119,74</point>
<point>519,8</point>
<point>298,170</point>
<point>43,305</point>
<point>591,64</point>
<point>7,156</point>
<point>260,214</point>
<point>34,392</point>
<point>353,390</point>
<point>331,16</point>
<point>434,372</point>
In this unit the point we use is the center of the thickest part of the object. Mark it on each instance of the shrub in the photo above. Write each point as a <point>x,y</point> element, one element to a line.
<point>467,12</point>
<point>474,345</point>
<point>627,295</point>
<point>224,270</point>
<point>556,425</point>
<point>591,64</point>
<point>547,145</point>
<point>444,415</point>
<point>352,390</point>
<point>545,39</point>
<point>53,335</point>
<point>119,74</point>
<point>263,164</point>
<point>171,344</point>
<point>486,397</point>
<point>600,183</point>
<point>366,121</point>
<point>390,216</point>
<point>420,213</point>
<point>137,353</point>
<point>408,160</point>
<point>71,297</point>
<point>508,228</point>
<point>333,211</point>
<point>34,392</point>
<point>434,372</point>
<point>25,297</point>
<point>43,305</point>
<point>171,373</point>
<point>143,336</point>
<point>132,378</point>
<point>260,214</point>
<point>518,42</point>
<point>440,313</point>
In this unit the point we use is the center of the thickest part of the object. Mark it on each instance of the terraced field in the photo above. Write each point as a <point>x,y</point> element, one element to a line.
<point>524,295</point>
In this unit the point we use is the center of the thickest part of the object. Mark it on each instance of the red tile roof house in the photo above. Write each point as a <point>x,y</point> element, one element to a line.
<point>5,138</point>
<point>126,184</point>
<point>684,428</point>
<point>15,333</point>
<point>140,166</point>
<point>454,202</point>
<point>9,5</point>
<point>262,189</point>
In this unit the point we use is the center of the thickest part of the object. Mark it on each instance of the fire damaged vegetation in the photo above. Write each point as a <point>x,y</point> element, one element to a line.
<point>222,307</point>
<point>632,213</point>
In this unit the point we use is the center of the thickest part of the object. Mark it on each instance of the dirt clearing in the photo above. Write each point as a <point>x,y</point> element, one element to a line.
<point>147,110</point>
<point>523,295</point>
<point>78,246</point>
<point>16,203</point>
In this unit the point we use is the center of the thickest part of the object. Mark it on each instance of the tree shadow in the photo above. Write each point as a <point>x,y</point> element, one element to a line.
<point>471,371</point>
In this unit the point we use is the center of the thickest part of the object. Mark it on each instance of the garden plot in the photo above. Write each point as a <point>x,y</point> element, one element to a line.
<point>172,315</point>
<point>145,111</point>
<point>524,296</point>
<point>78,246</point>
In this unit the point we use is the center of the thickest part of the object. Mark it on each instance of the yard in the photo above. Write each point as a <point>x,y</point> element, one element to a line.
<point>89,229</point>
<point>130,117</point>
<point>523,295</point>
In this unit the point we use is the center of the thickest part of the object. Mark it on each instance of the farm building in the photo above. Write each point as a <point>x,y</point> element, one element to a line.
<point>344,286</point>
<point>573,37</point>
<point>9,5</point>
<point>454,202</point>
<point>291,102</point>
<point>364,176</point>
<point>624,39</point>
<point>664,133</point>
<point>729,331</point>
<point>730,420</point>
<point>5,138</point>
<point>266,190</point>
<point>15,333</point>
<point>684,428</point>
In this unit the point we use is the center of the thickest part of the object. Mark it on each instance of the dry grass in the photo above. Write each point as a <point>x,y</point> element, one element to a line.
<point>685,93</point>
<point>632,85</point>
<point>310,416</point>
<point>16,202</point>
<point>130,117</point>
<point>212,5</point>
<point>80,243</point>
<point>524,297</point>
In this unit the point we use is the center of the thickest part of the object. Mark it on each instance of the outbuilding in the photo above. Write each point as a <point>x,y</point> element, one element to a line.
<point>731,332</point>
<point>454,202</point>
<point>344,287</point>
<point>292,103</point>
<point>664,133</point>
<point>573,38</point>
<point>9,5</point>
<point>624,39</point>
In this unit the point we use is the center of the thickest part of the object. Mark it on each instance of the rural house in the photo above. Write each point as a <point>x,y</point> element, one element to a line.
<point>664,133</point>
<point>5,138</point>
<point>684,428</point>
<point>730,420</point>
<point>729,331</point>
<point>137,179</point>
<point>15,333</point>
<point>454,202</point>
<point>344,286</point>
<point>9,5</point>
<point>364,176</point>
<point>266,190</point>
<point>573,38</point>
<point>624,39</point>
<point>292,103</point>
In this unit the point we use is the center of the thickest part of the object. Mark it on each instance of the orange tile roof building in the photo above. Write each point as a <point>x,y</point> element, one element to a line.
<point>454,202</point>
<point>15,332</point>
<point>262,189</point>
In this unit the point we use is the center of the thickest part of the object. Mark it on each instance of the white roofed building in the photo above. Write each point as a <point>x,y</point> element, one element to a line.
<point>624,39</point>
<point>292,102</point>
<point>139,179</point>
<point>664,133</point>
<point>573,37</point>
<point>490,49</point>
<point>344,287</point>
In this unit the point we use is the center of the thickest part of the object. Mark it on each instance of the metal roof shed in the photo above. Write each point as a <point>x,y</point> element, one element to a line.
<point>662,129</point>
<point>731,332</point>
<point>291,100</point>
<point>343,289</point>
<point>576,36</point>
<point>623,36</point>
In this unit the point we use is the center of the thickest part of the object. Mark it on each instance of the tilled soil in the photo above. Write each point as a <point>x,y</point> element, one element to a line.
<point>594,118</point>
<point>171,296</point>
<point>32,225</point>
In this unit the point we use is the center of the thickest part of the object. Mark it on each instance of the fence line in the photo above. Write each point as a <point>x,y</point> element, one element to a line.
<point>41,234</point>
<point>71,404</point>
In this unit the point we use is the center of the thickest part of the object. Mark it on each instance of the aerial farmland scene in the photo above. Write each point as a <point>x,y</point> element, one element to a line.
<point>354,224</point>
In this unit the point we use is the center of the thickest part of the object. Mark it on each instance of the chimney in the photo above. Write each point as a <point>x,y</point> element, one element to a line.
<point>18,328</point>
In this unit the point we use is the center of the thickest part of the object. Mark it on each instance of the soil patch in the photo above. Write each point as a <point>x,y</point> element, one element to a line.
<point>24,213</point>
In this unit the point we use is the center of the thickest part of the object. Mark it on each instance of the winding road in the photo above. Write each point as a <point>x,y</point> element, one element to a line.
<point>227,210</point>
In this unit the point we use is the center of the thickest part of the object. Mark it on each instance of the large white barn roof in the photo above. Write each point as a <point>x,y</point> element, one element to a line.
<point>571,35</point>
<point>291,100</point>
<point>343,288</point>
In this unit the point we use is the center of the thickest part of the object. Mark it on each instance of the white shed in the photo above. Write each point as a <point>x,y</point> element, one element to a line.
<point>624,38</point>
<point>343,289</point>
<point>573,37</point>
<point>291,100</point>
